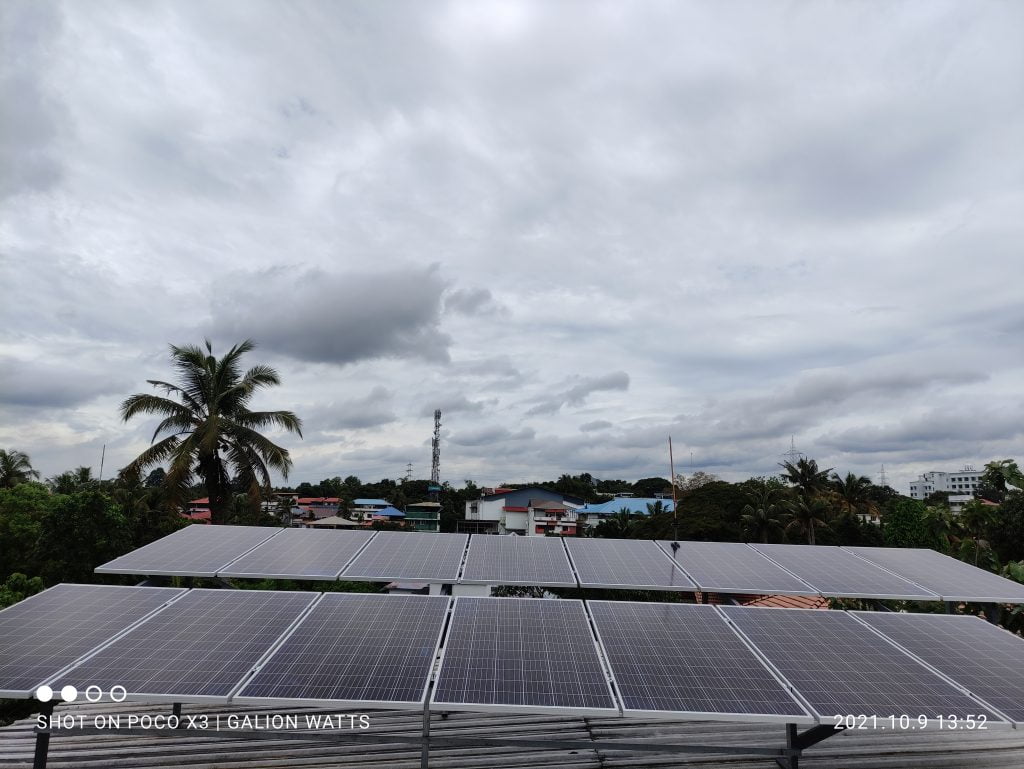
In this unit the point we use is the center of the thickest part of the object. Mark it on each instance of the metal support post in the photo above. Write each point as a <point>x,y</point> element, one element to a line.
<point>425,749</point>
<point>176,712</point>
<point>992,613</point>
<point>791,761</point>
<point>43,738</point>
<point>950,607</point>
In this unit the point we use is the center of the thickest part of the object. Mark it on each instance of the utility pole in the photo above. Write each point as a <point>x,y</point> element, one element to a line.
<point>675,501</point>
<point>435,459</point>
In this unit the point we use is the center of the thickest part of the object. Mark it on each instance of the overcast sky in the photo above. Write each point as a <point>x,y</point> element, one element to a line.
<point>575,227</point>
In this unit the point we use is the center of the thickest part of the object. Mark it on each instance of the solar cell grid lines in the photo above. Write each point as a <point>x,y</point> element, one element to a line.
<point>733,567</point>
<point>953,580</point>
<point>512,560</point>
<point>198,649</point>
<point>634,563</point>
<point>834,571</point>
<point>47,632</point>
<point>395,555</point>
<point>357,650</point>
<point>842,667</point>
<point>529,655</point>
<point>300,554</point>
<point>984,659</point>
<point>673,659</point>
<point>198,550</point>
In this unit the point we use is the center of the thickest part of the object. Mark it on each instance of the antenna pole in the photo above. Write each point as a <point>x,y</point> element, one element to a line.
<point>675,501</point>
<point>103,455</point>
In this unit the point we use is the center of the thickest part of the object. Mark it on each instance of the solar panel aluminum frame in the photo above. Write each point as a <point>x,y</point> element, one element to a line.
<point>196,699</point>
<point>554,710</point>
<point>225,571</point>
<point>237,699</point>
<point>516,582</point>
<point>925,595</point>
<point>948,598</point>
<point>1015,724</point>
<point>674,715</point>
<point>826,718</point>
<point>20,694</point>
<point>691,588</point>
<point>102,569</point>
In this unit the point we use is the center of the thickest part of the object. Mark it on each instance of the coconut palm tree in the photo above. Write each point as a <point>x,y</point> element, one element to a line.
<point>15,468</point>
<point>208,428</point>
<point>805,476</point>
<point>805,515</point>
<point>853,494</point>
<point>975,518</point>
<point>762,516</point>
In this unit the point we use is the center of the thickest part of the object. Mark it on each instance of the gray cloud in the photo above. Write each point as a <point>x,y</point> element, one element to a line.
<point>597,424</point>
<point>489,435</point>
<point>578,393</point>
<point>454,403</point>
<point>469,301</point>
<point>373,410</point>
<point>50,385</point>
<point>338,318</point>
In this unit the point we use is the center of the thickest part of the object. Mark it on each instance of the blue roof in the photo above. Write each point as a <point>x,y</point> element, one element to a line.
<point>369,502</point>
<point>635,505</point>
<point>390,512</point>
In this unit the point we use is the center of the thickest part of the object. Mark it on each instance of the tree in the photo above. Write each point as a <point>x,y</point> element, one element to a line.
<point>853,494</point>
<point>618,526</point>
<point>762,515</point>
<point>695,481</point>
<point>975,519</point>
<point>806,514</point>
<point>905,525</point>
<point>805,476</point>
<point>71,481</point>
<point>649,487</point>
<point>22,509</point>
<point>1006,530</point>
<point>15,468</point>
<point>209,429</point>
<point>78,533</point>
<point>157,478</point>
<point>1000,472</point>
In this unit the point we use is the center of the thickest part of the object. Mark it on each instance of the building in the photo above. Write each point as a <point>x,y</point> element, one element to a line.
<point>522,511</point>
<point>423,516</point>
<point>363,509</point>
<point>316,507</point>
<point>964,481</point>
<point>593,514</point>
<point>198,510</point>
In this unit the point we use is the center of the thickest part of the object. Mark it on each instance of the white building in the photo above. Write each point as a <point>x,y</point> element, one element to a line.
<point>964,481</point>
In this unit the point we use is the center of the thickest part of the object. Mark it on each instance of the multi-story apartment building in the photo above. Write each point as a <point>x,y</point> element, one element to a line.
<point>964,481</point>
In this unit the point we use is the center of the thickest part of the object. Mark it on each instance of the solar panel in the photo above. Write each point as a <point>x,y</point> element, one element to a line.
<point>357,650</point>
<point>676,659</point>
<point>512,560</point>
<point>530,655</point>
<point>300,554</point>
<point>620,563</point>
<point>733,567</point>
<point>47,632</point>
<point>983,658</point>
<point>409,555</point>
<point>840,667</point>
<point>199,550</point>
<point>198,649</point>
<point>952,579</point>
<point>834,571</point>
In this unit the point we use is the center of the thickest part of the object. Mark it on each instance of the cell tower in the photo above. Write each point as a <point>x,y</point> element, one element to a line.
<point>883,481</point>
<point>435,458</point>
<point>793,456</point>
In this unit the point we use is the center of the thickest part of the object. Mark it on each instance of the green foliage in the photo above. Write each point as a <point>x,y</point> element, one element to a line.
<point>18,587</point>
<point>649,487</point>
<point>22,509</point>
<point>79,532</point>
<point>807,516</point>
<point>710,513</point>
<point>15,468</point>
<point>904,525</point>
<point>805,476</point>
<point>320,587</point>
<point>763,514</point>
<point>70,481</point>
<point>1005,529</point>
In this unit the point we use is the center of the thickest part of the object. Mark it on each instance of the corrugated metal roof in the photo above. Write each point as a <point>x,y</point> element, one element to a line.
<point>635,505</point>
<point>193,750</point>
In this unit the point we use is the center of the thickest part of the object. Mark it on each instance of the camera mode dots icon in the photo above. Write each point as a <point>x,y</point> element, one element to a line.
<point>69,693</point>
<point>44,693</point>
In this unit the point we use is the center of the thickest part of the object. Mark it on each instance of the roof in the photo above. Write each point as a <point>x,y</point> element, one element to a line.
<point>635,505</point>
<point>315,500</point>
<point>856,749</point>
<point>203,501</point>
<point>332,520</point>
<point>505,492</point>
<point>390,512</point>
<point>789,601</point>
<point>369,502</point>
<point>546,504</point>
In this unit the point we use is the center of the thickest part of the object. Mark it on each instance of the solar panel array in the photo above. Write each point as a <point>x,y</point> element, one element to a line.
<point>198,550</point>
<point>634,563</point>
<point>400,555</point>
<point>953,580</point>
<point>522,654</point>
<point>841,667</point>
<point>355,649</point>
<point>300,554</point>
<point>197,649</point>
<point>508,560</point>
<point>669,659</point>
<point>733,567</point>
<point>47,632</point>
<point>984,659</point>
<point>836,572</point>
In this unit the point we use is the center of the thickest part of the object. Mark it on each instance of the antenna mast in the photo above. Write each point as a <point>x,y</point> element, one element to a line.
<point>883,481</point>
<point>435,458</point>
<point>793,456</point>
<point>675,501</point>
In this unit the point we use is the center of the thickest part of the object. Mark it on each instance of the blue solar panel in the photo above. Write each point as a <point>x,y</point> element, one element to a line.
<point>300,554</point>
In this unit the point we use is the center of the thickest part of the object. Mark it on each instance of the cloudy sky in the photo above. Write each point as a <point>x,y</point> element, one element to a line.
<point>575,227</point>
